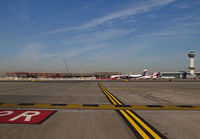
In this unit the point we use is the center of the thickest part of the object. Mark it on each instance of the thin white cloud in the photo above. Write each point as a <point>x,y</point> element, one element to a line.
<point>99,36</point>
<point>141,8</point>
<point>178,30</point>
<point>160,34</point>
<point>182,19</point>
<point>138,9</point>
<point>185,4</point>
<point>82,50</point>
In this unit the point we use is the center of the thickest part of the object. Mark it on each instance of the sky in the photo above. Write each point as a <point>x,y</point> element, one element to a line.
<point>98,35</point>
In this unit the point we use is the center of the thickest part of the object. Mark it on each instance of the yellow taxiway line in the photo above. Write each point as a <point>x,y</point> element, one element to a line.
<point>100,106</point>
<point>139,126</point>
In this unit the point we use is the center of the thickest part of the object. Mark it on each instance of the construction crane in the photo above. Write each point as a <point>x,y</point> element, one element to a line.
<point>66,67</point>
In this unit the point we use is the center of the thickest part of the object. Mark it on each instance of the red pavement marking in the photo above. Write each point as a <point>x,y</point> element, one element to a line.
<point>24,116</point>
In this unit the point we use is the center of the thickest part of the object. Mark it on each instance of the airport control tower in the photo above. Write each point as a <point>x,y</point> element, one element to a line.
<point>191,55</point>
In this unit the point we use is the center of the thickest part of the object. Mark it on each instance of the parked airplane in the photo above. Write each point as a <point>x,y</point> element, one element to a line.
<point>154,75</point>
<point>138,75</point>
<point>126,76</point>
<point>119,76</point>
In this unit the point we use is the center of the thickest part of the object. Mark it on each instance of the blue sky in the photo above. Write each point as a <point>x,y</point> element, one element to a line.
<point>98,35</point>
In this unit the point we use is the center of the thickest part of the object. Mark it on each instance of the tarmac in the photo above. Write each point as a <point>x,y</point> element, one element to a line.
<point>87,109</point>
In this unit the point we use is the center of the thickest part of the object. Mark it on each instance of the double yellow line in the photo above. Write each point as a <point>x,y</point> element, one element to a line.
<point>139,126</point>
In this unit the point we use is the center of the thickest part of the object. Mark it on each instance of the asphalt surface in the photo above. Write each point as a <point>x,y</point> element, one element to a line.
<point>98,124</point>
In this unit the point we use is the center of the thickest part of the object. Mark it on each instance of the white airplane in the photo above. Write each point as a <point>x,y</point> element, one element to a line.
<point>126,76</point>
<point>138,75</point>
<point>154,75</point>
<point>118,76</point>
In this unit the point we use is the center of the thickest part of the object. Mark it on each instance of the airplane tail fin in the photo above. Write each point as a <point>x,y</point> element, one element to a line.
<point>156,74</point>
<point>144,72</point>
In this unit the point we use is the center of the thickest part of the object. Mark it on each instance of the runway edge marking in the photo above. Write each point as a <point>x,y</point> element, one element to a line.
<point>140,127</point>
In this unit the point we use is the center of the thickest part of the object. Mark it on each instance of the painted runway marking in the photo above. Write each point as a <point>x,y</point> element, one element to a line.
<point>99,106</point>
<point>24,116</point>
<point>139,126</point>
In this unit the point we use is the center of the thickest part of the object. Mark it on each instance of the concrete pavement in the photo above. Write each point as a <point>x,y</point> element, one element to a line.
<point>103,123</point>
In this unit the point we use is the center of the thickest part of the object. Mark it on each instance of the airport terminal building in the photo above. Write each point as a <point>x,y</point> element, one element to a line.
<point>60,75</point>
<point>102,75</point>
